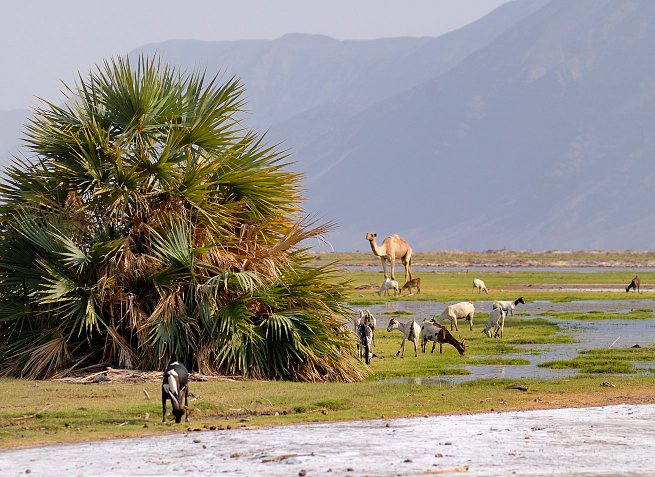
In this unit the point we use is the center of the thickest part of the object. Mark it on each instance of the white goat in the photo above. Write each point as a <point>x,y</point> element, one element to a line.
<point>508,306</point>
<point>366,318</point>
<point>411,331</point>
<point>386,285</point>
<point>479,284</point>
<point>496,322</point>
<point>464,309</point>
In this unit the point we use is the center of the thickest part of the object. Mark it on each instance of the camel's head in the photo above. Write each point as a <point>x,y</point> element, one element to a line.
<point>371,236</point>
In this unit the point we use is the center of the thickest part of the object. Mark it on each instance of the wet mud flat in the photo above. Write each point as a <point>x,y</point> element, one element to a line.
<point>609,440</point>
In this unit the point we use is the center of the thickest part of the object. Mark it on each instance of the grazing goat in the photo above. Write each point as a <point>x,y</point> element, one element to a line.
<point>464,309</point>
<point>413,283</point>
<point>411,331</point>
<point>479,284</point>
<point>634,284</point>
<point>387,284</point>
<point>431,331</point>
<point>496,322</point>
<point>365,342</point>
<point>175,387</point>
<point>367,318</point>
<point>508,306</point>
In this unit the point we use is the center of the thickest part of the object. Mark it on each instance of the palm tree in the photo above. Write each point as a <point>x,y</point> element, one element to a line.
<point>150,225</point>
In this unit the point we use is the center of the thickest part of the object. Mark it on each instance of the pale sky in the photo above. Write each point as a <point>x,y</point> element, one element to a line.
<point>44,42</point>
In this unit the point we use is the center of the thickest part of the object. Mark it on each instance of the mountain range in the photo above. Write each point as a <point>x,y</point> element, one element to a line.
<point>527,129</point>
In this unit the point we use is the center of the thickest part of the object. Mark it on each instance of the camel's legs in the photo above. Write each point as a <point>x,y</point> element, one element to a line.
<point>384,267</point>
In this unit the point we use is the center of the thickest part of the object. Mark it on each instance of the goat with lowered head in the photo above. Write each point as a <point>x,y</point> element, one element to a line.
<point>367,318</point>
<point>413,283</point>
<point>496,322</point>
<point>176,388</point>
<point>479,284</point>
<point>388,284</point>
<point>364,342</point>
<point>431,331</point>
<point>634,284</point>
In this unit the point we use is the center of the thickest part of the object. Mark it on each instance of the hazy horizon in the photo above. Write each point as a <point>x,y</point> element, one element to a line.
<point>45,43</point>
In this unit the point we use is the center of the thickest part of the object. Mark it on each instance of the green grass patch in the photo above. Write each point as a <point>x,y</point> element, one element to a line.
<point>637,314</point>
<point>604,361</point>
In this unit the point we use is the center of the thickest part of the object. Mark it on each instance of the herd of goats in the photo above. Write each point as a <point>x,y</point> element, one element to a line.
<point>176,377</point>
<point>433,330</point>
<point>394,247</point>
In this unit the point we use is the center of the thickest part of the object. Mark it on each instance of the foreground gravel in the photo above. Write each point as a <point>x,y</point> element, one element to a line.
<point>610,440</point>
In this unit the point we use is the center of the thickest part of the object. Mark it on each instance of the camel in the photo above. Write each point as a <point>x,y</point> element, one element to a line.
<point>392,247</point>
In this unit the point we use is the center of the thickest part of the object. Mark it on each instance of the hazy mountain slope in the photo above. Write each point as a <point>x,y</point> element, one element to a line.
<point>297,74</point>
<point>540,140</point>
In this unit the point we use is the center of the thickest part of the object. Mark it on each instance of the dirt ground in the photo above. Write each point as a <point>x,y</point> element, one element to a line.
<point>609,440</point>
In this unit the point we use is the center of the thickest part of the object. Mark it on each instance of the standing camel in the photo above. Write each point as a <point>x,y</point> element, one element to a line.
<point>392,247</point>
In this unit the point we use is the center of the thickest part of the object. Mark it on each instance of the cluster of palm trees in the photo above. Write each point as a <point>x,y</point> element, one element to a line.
<point>147,225</point>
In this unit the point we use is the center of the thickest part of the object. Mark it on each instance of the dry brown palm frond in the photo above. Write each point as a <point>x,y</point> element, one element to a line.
<point>120,350</point>
<point>132,313</point>
<point>47,358</point>
<point>169,306</point>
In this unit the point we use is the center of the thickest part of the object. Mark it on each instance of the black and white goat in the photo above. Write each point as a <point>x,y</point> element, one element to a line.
<point>508,306</point>
<point>365,342</point>
<point>176,388</point>
<point>367,318</point>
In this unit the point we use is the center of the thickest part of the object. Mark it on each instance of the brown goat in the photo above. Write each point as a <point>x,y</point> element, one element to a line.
<point>413,283</point>
<point>432,331</point>
<point>634,284</point>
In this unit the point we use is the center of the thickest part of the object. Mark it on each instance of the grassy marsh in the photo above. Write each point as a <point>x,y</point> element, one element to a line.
<point>605,361</point>
<point>503,285</point>
<point>98,411</point>
<point>638,314</point>
<point>35,412</point>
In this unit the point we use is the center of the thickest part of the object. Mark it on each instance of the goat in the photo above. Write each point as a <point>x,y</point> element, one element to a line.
<point>479,284</point>
<point>364,342</point>
<point>367,318</point>
<point>508,306</point>
<point>386,285</point>
<point>634,284</point>
<point>431,331</point>
<point>411,331</point>
<point>496,321</point>
<point>464,309</point>
<point>175,387</point>
<point>413,283</point>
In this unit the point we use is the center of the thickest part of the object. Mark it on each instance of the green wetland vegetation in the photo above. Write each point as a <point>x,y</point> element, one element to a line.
<point>37,412</point>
